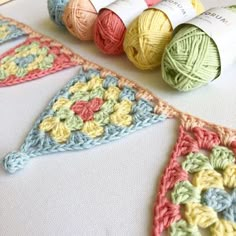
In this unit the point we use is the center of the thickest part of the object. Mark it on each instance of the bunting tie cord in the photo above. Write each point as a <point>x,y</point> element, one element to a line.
<point>197,190</point>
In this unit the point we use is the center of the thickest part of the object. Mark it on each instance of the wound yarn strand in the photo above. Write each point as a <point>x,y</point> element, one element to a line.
<point>79,18</point>
<point>56,10</point>
<point>109,31</point>
<point>148,35</point>
<point>191,59</point>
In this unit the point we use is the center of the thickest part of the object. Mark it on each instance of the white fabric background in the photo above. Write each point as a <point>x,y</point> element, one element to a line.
<point>108,190</point>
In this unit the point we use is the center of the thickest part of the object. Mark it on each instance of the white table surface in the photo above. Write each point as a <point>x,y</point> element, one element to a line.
<point>108,190</point>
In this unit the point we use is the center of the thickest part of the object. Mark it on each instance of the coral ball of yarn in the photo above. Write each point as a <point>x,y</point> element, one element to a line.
<point>109,31</point>
<point>148,35</point>
<point>191,60</point>
<point>79,18</point>
<point>56,10</point>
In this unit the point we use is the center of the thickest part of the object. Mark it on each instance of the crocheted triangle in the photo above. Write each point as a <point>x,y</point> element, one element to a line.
<point>10,29</point>
<point>94,108</point>
<point>38,56</point>
<point>198,188</point>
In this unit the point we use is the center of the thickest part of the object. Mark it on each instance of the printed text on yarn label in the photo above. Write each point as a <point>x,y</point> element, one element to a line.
<point>220,25</point>
<point>98,4</point>
<point>178,11</point>
<point>127,10</point>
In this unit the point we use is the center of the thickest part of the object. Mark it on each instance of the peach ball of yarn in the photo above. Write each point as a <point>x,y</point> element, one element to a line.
<point>79,18</point>
<point>148,35</point>
<point>109,31</point>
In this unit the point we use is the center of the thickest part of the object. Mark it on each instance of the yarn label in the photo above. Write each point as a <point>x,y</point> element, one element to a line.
<point>220,25</point>
<point>177,11</point>
<point>127,10</point>
<point>98,4</point>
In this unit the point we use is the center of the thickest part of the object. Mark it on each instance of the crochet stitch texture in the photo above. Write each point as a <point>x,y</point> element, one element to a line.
<point>9,29</point>
<point>91,109</point>
<point>36,57</point>
<point>197,191</point>
<point>198,188</point>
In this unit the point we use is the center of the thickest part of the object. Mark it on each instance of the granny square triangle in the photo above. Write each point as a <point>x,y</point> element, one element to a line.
<point>10,29</point>
<point>198,187</point>
<point>36,57</point>
<point>197,191</point>
<point>90,110</point>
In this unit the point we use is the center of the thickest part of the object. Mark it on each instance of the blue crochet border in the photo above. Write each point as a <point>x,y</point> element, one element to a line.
<point>53,147</point>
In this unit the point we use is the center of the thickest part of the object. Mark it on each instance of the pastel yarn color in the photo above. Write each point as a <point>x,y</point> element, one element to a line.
<point>56,10</point>
<point>148,35</point>
<point>79,18</point>
<point>109,31</point>
<point>192,59</point>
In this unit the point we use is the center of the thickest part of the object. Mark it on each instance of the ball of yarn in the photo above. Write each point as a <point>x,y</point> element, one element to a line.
<point>190,60</point>
<point>56,10</point>
<point>148,35</point>
<point>79,18</point>
<point>109,31</point>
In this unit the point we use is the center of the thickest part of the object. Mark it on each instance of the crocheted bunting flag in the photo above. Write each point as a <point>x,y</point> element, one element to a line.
<point>197,191</point>
<point>36,57</point>
<point>91,109</point>
<point>9,29</point>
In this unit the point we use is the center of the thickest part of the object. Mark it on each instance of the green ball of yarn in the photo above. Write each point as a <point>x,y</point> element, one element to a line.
<point>190,60</point>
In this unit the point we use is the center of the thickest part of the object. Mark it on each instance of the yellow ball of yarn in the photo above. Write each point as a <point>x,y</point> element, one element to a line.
<point>148,35</point>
